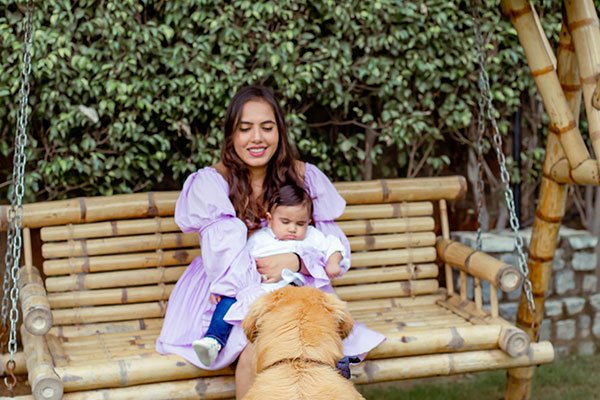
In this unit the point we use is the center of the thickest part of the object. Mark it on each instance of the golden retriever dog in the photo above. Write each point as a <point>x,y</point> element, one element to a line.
<point>297,334</point>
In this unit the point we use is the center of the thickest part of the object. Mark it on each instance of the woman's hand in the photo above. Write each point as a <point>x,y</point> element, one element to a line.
<point>270,267</point>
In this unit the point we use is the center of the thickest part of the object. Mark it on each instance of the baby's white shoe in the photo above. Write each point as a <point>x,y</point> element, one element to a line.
<point>207,349</point>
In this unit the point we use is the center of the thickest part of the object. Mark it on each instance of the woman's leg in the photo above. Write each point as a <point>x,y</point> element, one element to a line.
<point>245,371</point>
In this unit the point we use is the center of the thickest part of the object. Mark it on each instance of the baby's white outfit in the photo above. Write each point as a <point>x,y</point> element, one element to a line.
<point>264,243</point>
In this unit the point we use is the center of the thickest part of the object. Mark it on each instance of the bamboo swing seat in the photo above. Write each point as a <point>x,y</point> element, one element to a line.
<point>110,263</point>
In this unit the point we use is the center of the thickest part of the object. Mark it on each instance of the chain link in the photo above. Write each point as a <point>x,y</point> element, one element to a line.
<point>16,192</point>
<point>484,87</point>
<point>480,181</point>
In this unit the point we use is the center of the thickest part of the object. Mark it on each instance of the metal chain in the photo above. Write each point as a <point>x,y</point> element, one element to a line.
<point>480,181</point>
<point>15,214</point>
<point>484,87</point>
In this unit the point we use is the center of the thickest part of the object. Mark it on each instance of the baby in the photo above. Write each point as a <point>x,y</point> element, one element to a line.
<point>288,230</point>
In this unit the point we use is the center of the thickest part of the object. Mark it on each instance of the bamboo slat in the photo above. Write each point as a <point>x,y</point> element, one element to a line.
<point>390,273</point>
<point>103,280</point>
<point>108,313</point>
<point>44,382</point>
<point>119,245</point>
<point>390,210</point>
<point>393,257</point>
<point>156,368</point>
<point>37,317</point>
<point>421,366</point>
<point>108,229</point>
<point>583,26</point>
<point>120,262</point>
<point>449,277</point>
<point>126,295</point>
<point>480,265</point>
<point>218,387</point>
<point>540,60</point>
<point>74,331</point>
<point>387,289</point>
<point>398,190</point>
<point>395,302</point>
<point>391,241</point>
<point>390,225</point>
<point>93,209</point>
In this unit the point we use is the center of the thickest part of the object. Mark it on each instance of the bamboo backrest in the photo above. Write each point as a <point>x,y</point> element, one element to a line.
<point>116,267</point>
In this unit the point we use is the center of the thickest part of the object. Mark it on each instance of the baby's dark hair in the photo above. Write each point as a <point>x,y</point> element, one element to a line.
<point>291,195</point>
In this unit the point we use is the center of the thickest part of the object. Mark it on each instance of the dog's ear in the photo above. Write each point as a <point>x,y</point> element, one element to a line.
<point>340,311</point>
<point>258,309</point>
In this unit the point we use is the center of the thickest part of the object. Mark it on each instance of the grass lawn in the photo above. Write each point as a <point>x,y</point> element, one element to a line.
<point>574,378</point>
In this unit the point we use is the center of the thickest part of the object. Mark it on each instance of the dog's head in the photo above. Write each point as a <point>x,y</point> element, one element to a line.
<point>300,320</point>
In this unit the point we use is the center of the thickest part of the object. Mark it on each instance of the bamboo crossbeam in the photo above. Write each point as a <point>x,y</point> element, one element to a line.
<point>541,62</point>
<point>93,209</point>
<point>37,317</point>
<point>583,26</point>
<point>391,241</point>
<point>385,274</point>
<point>128,295</point>
<point>108,229</point>
<point>119,245</point>
<point>390,225</point>
<point>103,280</point>
<point>217,387</point>
<point>390,210</point>
<point>106,327</point>
<point>387,289</point>
<point>421,366</point>
<point>585,174</point>
<point>20,363</point>
<point>479,264</point>
<point>157,368</point>
<point>115,262</point>
<point>393,257</point>
<point>108,313</point>
<point>44,382</point>
<point>398,190</point>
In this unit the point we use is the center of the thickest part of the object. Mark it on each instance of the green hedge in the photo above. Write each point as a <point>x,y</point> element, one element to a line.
<point>130,95</point>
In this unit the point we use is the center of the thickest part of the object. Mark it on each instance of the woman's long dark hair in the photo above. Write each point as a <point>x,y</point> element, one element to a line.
<point>281,168</point>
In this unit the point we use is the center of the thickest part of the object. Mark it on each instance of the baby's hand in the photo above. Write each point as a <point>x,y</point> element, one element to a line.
<point>215,298</point>
<point>333,269</point>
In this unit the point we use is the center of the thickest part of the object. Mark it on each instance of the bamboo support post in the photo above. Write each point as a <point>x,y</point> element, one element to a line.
<point>583,26</point>
<point>494,308</point>
<point>541,62</point>
<point>45,383</point>
<point>421,366</point>
<point>446,236</point>
<point>37,315</point>
<point>480,265</point>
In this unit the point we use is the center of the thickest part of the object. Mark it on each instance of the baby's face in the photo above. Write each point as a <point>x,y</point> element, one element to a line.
<point>289,222</point>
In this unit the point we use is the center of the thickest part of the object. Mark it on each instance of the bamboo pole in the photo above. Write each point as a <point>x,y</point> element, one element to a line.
<point>447,364</point>
<point>385,274</point>
<point>218,387</point>
<point>390,225</point>
<point>583,26</point>
<point>124,244</point>
<point>123,312</point>
<point>393,257</point>
<point>391,241</point>
<point>446,236</point>
<point>102,280</point>
<point>115,262</point>
<point>45,383</point>
<point>540,60</point>
<point>156,368</point>
<point>75,331</point>
<point>480,265</point>
<point>100,297</point>
<point>389,210</point>
<point>387,289</point>
<point>37,316</point>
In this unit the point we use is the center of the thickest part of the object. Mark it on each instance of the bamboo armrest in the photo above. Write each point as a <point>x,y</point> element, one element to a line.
<point>480,265</point>
<point>37,315</point>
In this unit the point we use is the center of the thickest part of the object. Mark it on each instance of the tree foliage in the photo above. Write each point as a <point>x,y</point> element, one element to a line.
<point>130,95</point>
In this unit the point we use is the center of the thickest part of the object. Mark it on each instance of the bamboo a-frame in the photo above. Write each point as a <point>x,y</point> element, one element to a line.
<point>560,83</point>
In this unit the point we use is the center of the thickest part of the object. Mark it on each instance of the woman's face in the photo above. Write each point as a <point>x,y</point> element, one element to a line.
<point>256,137</point>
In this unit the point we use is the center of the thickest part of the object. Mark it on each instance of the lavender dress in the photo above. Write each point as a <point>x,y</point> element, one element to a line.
<point>226,267</point>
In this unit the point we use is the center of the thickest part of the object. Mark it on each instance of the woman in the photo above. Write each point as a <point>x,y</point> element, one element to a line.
<point>224,204</point>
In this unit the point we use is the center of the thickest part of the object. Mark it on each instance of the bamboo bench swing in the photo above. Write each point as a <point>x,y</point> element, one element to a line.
<point>110,264</point>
